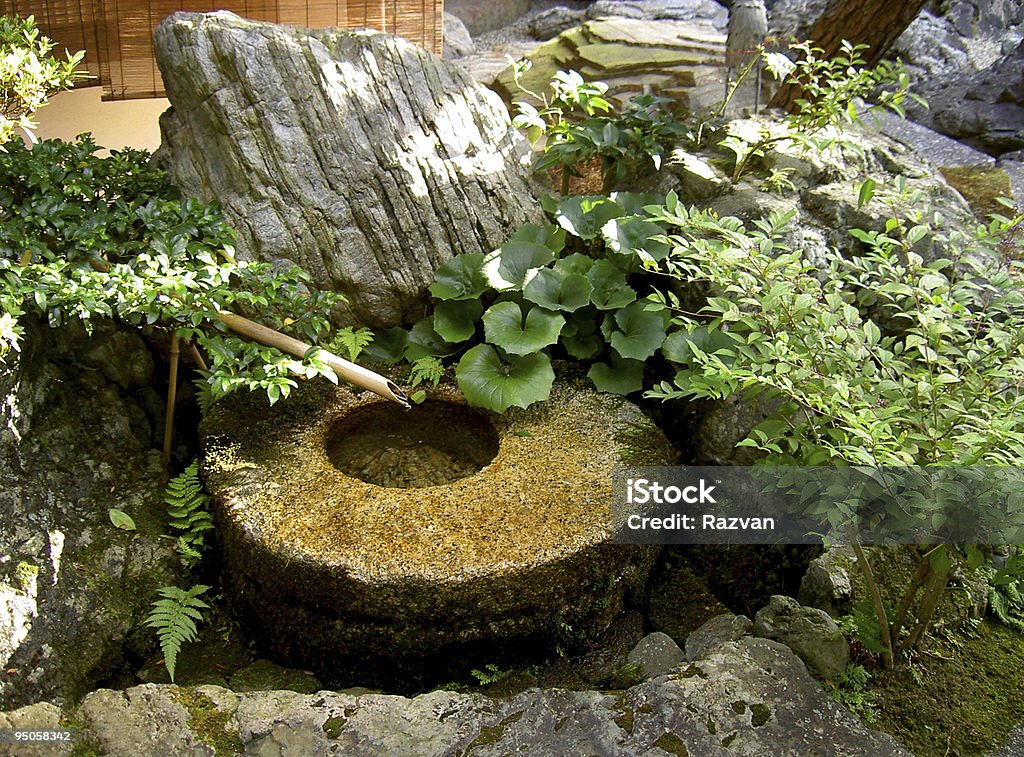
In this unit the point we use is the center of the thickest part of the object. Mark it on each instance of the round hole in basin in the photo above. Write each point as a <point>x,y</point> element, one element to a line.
<point>433,444</point>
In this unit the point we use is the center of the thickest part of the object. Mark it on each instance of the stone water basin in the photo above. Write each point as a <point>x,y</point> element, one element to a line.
<point>399,549</point>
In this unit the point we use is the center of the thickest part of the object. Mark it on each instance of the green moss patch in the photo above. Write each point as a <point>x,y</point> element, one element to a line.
<point>980,186</point>
<point>209,724</point>
<point>963,696</point>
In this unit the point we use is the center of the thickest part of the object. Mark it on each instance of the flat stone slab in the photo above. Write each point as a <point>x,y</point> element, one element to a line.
<point>669,34</point>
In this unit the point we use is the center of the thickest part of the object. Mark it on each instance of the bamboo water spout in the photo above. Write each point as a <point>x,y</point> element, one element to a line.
<point>345,370</point>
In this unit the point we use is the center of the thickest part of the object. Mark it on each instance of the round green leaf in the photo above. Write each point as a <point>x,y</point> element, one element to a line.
<point>455,320</point>
<point>640,331</point>
<point>461,278</point>
<point>488,381</point>
<point>633,235</point>
<point>555,289</point>
<point>679,345</point>
<point>610,288</point>
<point>548,235</point>
<point>582,215</point>
<point>506,267</point>
<point>621,377</point>
<point>504,326</point>
<point>575,263</point>
<point>425,342</point>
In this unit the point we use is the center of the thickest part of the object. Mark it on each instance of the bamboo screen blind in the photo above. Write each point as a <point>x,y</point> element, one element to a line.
<point>117,35</point>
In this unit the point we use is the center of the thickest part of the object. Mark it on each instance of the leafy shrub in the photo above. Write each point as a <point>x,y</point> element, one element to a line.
<point>83,236</point>
<point>879,360</point>
<point>29,74</point>
<point>574,133</point>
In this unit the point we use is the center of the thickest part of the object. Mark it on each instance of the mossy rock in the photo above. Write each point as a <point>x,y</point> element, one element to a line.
<point>403,586</point>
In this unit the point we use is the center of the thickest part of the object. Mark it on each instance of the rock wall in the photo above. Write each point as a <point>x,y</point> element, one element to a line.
<point>358,156</point>
<point>74,442</point>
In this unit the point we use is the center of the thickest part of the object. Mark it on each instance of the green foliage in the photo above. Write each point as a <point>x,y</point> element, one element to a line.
<point>574,133</point>
<point>490,674</point>
<point>349,342</point>
<point>832,88</point>
<point>188,506</point>
<point>863,626</point>
<point>174,617</point>
<point>849,688</point>
<point>427,370</point>
<point>558,290</point>
<point>884,359</point>
<point>1006,593</point>
<point>29,74</point>
<point>83,236</point>
<point>852,393</point>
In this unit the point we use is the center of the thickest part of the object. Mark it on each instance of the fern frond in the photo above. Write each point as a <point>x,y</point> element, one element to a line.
<point>188,510</point>
<point>426,370</point>
<point>174,617</point>
<point>350,342</point>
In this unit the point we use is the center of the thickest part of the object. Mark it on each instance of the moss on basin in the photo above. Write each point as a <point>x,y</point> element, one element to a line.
<point>349,577</point>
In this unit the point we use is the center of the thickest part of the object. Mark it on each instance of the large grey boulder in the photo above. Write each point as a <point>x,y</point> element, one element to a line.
<point>808,631</point>
<point>74,442</point>
<point>360,157</point>
<point>747,697</point>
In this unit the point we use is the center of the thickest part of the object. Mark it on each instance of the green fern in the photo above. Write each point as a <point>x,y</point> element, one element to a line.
<point>204,394</point>
<point>188,507</point>
<point>426,370</point>
<point>174,618</point>
<point>1007,605</point>
<point>350,341</point>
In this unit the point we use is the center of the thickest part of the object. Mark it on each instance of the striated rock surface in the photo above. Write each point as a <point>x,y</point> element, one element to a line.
<point>358,156</point>
<point>746,697</point>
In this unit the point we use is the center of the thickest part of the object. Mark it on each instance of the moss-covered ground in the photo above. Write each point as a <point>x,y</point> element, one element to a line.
<point>961,696</point>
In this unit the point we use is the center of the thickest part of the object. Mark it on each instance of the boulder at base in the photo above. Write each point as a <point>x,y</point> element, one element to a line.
<point>747,697</point>
<point>358,156</point>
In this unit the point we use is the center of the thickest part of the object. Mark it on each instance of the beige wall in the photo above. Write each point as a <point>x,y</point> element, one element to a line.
<point>125,123</point>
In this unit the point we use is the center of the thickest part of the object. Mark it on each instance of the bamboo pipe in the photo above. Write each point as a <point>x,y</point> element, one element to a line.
<point>345,370</point>
<point>172,396</point>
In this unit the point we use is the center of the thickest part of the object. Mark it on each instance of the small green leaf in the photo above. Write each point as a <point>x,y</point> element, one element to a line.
<point>867,191</point>
<point>121,519</point>
<point>504,326</point>
<point>488,381</point>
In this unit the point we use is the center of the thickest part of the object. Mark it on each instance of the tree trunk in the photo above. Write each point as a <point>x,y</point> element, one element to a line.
<point>876,23</point>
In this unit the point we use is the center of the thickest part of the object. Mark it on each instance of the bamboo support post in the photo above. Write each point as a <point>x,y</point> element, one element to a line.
<point>345,370</point>
<point>172,397</point>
